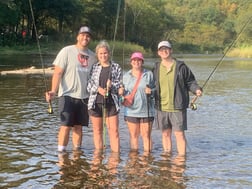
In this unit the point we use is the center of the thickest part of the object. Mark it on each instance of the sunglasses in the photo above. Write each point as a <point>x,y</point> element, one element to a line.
<point>83,59</point>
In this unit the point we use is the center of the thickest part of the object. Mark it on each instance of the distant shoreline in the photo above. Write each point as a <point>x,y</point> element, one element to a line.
<point>239,52</point>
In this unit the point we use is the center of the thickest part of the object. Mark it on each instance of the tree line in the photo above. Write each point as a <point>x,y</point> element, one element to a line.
<point>191,25</point>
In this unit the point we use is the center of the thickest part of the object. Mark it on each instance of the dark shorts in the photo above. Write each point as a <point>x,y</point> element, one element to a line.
<point>73,111</point>
<point>98,111</point>
<point>173,120</point>
<point>138,119</point>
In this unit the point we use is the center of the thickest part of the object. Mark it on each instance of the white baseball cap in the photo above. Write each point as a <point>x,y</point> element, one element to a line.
<point>164,44</point>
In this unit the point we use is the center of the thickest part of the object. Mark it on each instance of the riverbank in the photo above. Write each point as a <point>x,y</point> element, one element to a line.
<point>119,48</point>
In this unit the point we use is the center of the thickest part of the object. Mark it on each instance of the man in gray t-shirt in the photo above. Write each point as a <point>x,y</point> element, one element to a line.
<point>71,71</point>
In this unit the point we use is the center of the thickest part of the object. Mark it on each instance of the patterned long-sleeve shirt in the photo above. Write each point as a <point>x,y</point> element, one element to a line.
<point>93,83</point>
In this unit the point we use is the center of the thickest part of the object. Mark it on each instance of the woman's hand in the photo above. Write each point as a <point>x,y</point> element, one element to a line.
<point>102,91</point>
<point>121,91</point>
<point>147,90</point>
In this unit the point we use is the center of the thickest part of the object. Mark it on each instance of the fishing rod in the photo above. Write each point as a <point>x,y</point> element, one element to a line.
<point>50,108</point>
<point>104,112</point>
<point>109,79</point>
<point>193,105</point>
<point>148,116</point>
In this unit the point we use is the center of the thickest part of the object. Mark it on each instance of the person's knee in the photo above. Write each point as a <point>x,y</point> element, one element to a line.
<point>180,136</point>
<point>145,135</point>
<point>113,130</point>
<point>166,133</point>
<point>179,133</point>
<point>77,128</point>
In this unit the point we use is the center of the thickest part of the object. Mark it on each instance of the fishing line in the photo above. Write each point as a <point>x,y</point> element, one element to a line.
<point>193,106</point>
<point>50,109</point>
<point>121,98</point>
<point>116,26</point>
<point>124,35</point>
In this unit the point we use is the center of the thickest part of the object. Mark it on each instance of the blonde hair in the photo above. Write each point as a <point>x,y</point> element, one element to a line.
<point>102,44</point>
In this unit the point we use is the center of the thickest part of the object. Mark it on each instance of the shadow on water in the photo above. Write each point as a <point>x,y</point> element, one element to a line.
<point>219,140</point>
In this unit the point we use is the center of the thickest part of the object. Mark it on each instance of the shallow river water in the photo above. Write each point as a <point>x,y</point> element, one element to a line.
<point>219,137</point>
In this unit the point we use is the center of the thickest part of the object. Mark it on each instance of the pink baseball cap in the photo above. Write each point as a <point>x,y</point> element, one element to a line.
<point>138,55</point>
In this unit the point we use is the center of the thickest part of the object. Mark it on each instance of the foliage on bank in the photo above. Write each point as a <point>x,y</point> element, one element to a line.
<point>192,26</point>
<point>119,48</point>
<point>244,51</point>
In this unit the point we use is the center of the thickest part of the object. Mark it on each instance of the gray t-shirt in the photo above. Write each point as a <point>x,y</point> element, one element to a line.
<point>75,76</point>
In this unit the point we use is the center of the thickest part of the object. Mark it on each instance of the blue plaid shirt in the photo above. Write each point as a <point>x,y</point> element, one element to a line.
<point>93,83</point>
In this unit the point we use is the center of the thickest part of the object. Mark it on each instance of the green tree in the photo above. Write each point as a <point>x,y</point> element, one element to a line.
<point>244,16</point>
<point>147,22</point>
<point>9,17</point>
<point>190,24</point>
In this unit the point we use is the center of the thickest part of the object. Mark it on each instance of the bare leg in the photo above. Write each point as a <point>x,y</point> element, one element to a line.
<point>134,131</point>
<point>77,136</point>
<point>63,136</point>
<point>97,132</point>
<point>166,140</point>
<point>181,142</point>
<point>112,125</point>
<point>145,129</point>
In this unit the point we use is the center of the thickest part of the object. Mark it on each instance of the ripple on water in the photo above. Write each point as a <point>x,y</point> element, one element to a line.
<point>219,142</point>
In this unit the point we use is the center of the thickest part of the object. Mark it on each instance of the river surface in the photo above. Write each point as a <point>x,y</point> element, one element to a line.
<point>219,137</point>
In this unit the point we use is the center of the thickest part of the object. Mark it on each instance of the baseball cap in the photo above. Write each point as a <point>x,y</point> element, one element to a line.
<point>164,44</point>
<point>138,55</point>
<point>85,29</point>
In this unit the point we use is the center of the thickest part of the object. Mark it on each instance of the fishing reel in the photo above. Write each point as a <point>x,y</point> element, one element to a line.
<point>193,106</point>
<point>121,99</point>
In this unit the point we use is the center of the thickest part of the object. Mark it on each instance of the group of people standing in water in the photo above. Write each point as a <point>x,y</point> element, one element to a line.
<point>91,85</point>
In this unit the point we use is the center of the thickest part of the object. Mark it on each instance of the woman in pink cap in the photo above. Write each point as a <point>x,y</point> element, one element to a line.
<point>139,115</point>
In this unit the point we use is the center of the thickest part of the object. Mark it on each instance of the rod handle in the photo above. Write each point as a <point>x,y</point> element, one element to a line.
<point>50,108</point>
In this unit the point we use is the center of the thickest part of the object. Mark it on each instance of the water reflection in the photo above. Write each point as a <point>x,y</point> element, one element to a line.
<point>73,170</point>
<point>139,171</point>
<point>102,174</point>
<point>77,172</point>
<point>171,170</point>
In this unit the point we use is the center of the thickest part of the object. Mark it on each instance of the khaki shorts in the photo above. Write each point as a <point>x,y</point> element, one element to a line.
<point>176,121</point>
